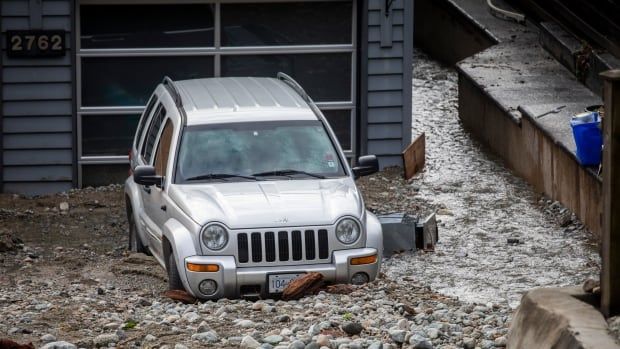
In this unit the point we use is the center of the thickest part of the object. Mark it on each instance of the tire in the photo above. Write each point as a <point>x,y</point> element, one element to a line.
<point>135,243</point>
<point>174,280</point>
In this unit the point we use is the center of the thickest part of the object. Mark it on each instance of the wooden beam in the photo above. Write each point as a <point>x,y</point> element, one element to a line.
<point>414,156</point>
<point>610,271</point>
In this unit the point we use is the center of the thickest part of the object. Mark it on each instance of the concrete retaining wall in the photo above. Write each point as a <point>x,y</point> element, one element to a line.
<point>503,89</point>
<point>559,318</point>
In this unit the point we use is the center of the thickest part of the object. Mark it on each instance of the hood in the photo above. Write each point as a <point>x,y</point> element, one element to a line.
<point>269,203</point>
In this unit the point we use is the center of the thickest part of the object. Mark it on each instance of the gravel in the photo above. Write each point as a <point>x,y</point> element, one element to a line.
<point>67,275</point>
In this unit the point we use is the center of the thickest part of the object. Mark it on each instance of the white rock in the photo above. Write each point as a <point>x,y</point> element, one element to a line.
<point>46,338</point>
<point>246,323</point>
<point>249,343</point>
<point>103,340</point>
<point>191,317</point>
<point>208,337</point>
<point>64,206</point>
<point>150,338</point>
<point>59,345</point>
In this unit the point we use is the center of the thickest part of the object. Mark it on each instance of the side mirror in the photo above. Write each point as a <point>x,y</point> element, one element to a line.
<point>145,175</point>
<point>366,165</point>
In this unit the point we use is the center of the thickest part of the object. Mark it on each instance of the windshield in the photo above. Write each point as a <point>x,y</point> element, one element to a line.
<point>257,151</point>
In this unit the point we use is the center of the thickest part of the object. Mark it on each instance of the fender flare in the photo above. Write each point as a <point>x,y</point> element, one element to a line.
<point>374,234</point>
<point>132,194</point>
<point>178,240</point>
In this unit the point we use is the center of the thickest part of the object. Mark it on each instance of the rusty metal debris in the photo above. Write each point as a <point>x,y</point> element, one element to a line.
<point>180,296</point>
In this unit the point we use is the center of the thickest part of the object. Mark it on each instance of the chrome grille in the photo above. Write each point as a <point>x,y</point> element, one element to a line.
<point>282,246</point>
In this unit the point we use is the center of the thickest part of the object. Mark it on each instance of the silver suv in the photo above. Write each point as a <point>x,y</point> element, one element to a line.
<point>238,186</point>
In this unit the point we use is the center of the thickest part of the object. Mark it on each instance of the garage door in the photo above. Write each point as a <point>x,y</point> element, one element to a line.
<point>125,49</point>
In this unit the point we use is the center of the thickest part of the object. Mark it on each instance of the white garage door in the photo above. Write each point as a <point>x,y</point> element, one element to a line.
<point>125,48</point>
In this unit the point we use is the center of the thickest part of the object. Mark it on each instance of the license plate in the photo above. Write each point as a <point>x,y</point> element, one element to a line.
<point>277,282</point>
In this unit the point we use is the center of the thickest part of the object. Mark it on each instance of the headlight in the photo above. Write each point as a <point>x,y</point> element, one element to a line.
<point>214,236</point>
<point>347,231</point>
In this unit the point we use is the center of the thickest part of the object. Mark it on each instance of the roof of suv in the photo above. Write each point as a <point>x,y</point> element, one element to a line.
<point>241,99</point>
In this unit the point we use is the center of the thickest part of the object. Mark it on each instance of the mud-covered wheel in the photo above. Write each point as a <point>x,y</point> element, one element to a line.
<point>174,280</point>
<point>135,244</point>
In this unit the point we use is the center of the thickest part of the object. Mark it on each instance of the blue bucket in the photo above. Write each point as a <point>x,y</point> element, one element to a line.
<point>588,137</point>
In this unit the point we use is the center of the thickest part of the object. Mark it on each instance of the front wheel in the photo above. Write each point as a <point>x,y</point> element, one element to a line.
<point>135,244</point>
<point>174,280</point>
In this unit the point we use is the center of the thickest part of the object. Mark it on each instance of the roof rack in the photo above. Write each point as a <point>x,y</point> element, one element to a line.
<point>169,84</point>
<point>289,80</point>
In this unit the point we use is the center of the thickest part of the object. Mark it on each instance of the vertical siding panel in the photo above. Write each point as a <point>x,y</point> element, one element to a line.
<point>36,97</point>
<point>387,88</point>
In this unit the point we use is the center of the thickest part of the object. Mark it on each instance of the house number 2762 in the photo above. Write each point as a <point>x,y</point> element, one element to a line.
<point>35,43</point>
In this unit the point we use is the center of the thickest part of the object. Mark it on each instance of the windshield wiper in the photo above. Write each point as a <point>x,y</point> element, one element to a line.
<point>287,172</point>
<point>223,176</point>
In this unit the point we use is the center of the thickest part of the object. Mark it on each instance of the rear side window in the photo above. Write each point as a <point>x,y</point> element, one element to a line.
<point>151,136</point>
<point>145,117</point>
<point>163,149</point>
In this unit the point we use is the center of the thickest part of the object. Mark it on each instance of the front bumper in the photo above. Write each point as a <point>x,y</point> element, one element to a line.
<point>235,282</point>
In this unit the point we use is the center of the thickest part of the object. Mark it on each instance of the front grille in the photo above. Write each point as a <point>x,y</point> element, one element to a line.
<point>295,245</point>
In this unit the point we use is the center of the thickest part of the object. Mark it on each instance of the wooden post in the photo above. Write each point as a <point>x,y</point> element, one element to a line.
<point>610,272</point>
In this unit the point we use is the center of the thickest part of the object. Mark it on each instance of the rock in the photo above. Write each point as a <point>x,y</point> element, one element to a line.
<point>297,345</point>
<point>103,340</point>
<point>420,342</point>
<point>208,337</point>
<point>501,341</point>
<point>191,317</point>
<point>314,330</point>
<point>249,343</point>
<point>398,336</point>
<point>306,283</point>
<point>283,318</point>
<point>376,345</point>
<point>313,345</point>
<point>469,343</point>
<point>265,346</point>
<point>180,346</point>
<point>353,328</point>
<point>273,339</point>
<point>322,340</point>
<point>64,206</point>
<point>246,323</point>
<point>7,241</point>
<point>58,345</point>
<point>432,333</point>
<point>46,338</point>
<point>589,285</point>
<point>149,338</point>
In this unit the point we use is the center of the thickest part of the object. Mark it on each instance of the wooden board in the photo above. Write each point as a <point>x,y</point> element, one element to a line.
<point>414,156</point>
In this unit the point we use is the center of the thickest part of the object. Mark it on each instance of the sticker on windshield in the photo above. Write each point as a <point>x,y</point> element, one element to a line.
<point>331,163</point>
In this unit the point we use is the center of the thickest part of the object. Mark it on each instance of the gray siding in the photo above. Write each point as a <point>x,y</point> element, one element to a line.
<point>386,108</point>
<point>37,104</point>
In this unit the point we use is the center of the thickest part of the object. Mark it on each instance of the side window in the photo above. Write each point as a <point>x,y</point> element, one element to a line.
<point>151,136</point>
<point>145,117</point>
<point>163,149</point>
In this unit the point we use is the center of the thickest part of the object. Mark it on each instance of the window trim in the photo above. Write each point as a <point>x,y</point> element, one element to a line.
<point>217,51</point>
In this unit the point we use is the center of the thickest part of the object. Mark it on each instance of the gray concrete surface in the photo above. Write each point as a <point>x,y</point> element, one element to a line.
<point>559,318</point>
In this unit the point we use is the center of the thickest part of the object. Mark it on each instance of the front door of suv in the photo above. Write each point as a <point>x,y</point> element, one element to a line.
<point>155,200</point>
<point>150,194</point>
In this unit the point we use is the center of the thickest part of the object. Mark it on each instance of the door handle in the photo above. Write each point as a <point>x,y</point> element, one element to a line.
<point>146,189</point>
<point>163,207</point>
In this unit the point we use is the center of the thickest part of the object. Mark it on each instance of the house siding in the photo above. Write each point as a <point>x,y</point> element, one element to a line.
<point>386,108</point>
<point>37,103</point>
